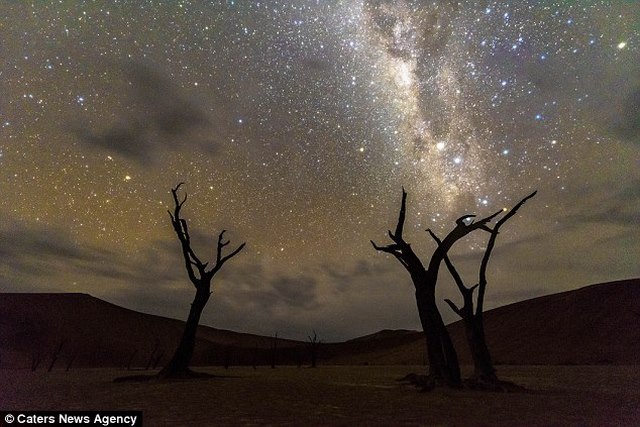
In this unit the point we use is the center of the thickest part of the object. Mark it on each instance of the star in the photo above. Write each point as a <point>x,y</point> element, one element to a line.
<point>294,125</point>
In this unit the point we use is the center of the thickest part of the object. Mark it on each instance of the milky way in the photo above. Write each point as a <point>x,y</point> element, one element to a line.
<point>294,125</point>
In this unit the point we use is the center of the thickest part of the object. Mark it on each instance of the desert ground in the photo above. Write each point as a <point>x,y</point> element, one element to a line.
<point>337,395</point>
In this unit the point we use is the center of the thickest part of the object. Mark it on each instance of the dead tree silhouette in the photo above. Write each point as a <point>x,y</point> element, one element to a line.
<point>55,355</point>
<point>274,350</point>
<point>201,278</point>
<point>131,357</point>
<point>314,348</point>
<point>152,356</point>
<point>35,360</point>
<point>71,360</point>
<point>484,375</point>
<point>443,359</point>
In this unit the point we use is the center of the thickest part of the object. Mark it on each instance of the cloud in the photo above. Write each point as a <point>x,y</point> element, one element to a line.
<point>49,258</point>
<point>255,288</point>
<point>32,249</point>
<point>621,207</point>
<point>159,116</point>
<point>626,122</point>
<point>401,29</point>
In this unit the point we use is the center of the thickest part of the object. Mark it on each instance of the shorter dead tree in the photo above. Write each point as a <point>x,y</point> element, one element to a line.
<point>314,348</point>
<point>55,355</point>
<point>152,356</point>
<point>484,375</point>
<point>274,350</point>
<point>131,357</point>
<point>200,276</point>
<point>71,359</point>
<point>35,360</point>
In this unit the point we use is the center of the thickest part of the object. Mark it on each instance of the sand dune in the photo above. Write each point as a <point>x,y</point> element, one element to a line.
<point>598,324</point>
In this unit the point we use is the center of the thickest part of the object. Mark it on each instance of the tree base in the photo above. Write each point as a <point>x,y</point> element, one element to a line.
<point>494,384</point>
<point>427,383</point>
<point>167,376</point>
<point>183,374</point>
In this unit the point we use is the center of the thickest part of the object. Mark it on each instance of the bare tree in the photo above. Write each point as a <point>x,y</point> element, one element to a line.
<point>55,355</point>
<point>443,360</point>
<point>71,360</point>
<point>314,348</point>
<point>35,360</point>
<point>158,358</point>
<point>131,357</point>
<point>152,356</point>
<point>227,357</point>
<point>484,372</point>
<point>274,350</point>
<point>201,278</point>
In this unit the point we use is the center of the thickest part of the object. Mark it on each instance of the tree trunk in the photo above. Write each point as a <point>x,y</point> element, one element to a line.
<point>483,365</point>
<point>443,359</point>
<point>201,278</point>
<point>179,364</point>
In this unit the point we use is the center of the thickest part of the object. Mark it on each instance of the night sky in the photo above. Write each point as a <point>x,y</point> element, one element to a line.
<point>294,125</point>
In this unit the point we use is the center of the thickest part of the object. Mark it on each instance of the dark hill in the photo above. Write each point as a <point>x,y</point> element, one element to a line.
<point>597,324</point>
<point>96,333</point>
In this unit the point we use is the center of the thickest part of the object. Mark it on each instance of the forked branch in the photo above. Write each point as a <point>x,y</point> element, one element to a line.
<point>400,249</point>
<point>196,269</point>
<point>482,283</point>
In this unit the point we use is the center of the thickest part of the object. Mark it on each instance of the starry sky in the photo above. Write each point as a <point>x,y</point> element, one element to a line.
<point>294,125</point>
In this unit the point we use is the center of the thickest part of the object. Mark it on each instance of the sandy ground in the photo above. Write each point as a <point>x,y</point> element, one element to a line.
<point>364,395</point>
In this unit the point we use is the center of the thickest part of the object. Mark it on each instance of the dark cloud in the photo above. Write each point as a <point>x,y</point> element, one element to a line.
<point>256,288</point>
<point>169,110</point>
<point>343,279</point>
<point>40,253</point>
<point>26,248</point>
<point>165,117</point>
<point>431,35</point>
<point>626,123</point>
<point>621,207</point>
<point>127,139</point>
<point>620,213</point>
<point>255,298</point>
<point>159,265</point>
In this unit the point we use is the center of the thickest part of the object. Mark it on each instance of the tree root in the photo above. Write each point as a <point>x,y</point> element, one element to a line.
<point>424,382</point>
<point>427,383</point>
<point>178,376</point>
<point>495,385</point>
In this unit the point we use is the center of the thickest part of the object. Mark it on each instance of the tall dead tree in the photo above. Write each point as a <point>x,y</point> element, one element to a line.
<point>201,278</point>
<point>443,360</point>
<point>484,375</point>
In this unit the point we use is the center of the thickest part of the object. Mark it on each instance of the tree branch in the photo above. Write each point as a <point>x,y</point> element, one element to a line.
<point>482,283</point>
<point>180,227</point>
<point>452,269</point>
<point>232,254</point>
<point>191,260</point>
<point>454,307</point>
<point>389,248</point>
<point>400,249</point>
<point>401,216</point>
<point>461,230</point>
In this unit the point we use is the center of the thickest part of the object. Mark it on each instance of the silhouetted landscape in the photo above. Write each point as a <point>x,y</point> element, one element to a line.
<point>356,380</point>
<point>594,325</point>
<point>305,212</point>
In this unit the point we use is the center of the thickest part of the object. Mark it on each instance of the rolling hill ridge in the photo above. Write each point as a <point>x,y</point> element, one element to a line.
<point>598,324</point>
